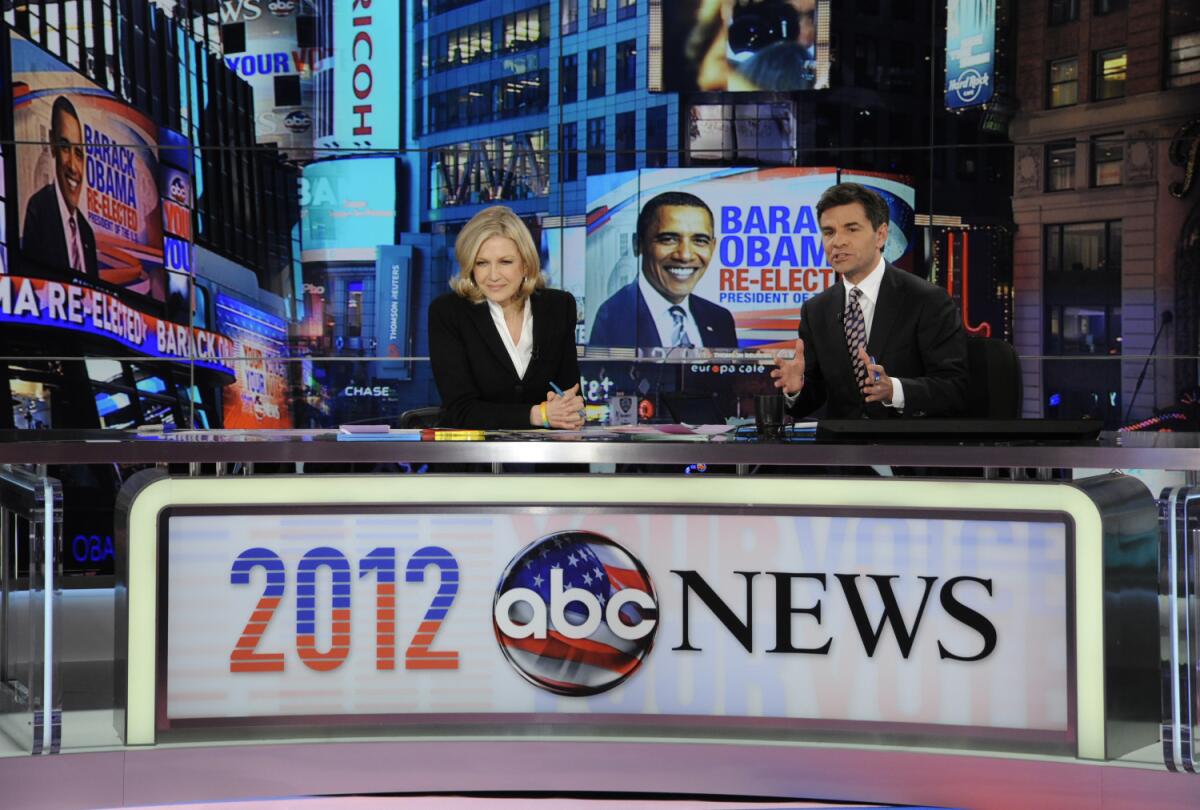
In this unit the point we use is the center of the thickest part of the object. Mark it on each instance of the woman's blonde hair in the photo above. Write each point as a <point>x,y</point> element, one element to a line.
<point>495,221</point>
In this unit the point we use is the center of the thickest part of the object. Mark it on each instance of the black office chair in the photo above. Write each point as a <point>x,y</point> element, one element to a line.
<point>427,417</point>
<point>994,370</point>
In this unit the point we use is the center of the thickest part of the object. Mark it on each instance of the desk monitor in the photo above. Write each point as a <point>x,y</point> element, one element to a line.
<point>693,409</point>
<point>960,430</point>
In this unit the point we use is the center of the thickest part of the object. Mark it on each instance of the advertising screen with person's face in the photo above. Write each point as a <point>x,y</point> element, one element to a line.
<point>87,178</point>
<point>741,46</point>
<point>719,258</point>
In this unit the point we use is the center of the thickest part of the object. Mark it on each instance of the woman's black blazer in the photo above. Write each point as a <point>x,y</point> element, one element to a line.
<point>474,374</point>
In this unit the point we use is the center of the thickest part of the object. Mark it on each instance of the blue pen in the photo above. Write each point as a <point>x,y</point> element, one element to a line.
<point>872,359</point>
<point>560,392</point>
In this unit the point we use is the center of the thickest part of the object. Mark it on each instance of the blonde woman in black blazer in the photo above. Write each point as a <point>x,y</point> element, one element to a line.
<point>499,317</point>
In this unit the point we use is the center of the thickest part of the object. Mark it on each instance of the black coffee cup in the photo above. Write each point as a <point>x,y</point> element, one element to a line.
<point>769,415</point>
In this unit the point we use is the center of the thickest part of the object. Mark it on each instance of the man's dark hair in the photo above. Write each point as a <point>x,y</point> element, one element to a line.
<point>650,211</point>
<point>62,106</point>
<point>848,193</point>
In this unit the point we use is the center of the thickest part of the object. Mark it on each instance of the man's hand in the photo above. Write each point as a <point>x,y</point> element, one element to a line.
<point>879,384</point>
<point>789,374</point>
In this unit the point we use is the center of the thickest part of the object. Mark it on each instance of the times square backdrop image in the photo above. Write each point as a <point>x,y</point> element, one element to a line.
<point>235,213</point>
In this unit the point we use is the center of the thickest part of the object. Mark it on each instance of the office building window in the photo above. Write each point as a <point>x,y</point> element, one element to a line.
<point>656,137</point>
<point>568,78</point>
<point>597,13</point>
<point>1084,247</point>
<point>626,65</point>
<point>596,153</point>
<point>568,16</point>
<point>523,94</point>
<point>596,76</point>
<point>1064,82</point>
<point>1109,6</point>
<point>1108,152</point>
<point>1075,330</point>
<point>1183,57</point>
<point>1063,11</point>
<point>626,9</point>
<point>526,29</point>
<point>626,158</point>
<point>1060,166</point>
<point>568,152</point>
<point>462,46</point>
<point>1108,80</point>
<point>1083,284</point>
<point>510,167</point>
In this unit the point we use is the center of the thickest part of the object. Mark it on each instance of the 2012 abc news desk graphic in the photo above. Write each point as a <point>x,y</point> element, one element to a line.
<point>944,612</point>
<point>729,615</point>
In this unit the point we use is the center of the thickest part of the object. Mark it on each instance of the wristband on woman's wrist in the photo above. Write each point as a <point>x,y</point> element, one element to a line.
<point>545,418</point>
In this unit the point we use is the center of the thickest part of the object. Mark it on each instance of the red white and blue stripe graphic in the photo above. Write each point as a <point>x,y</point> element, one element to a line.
<point>306,608</point>
<point>419,654</point>
<point>244,657</point>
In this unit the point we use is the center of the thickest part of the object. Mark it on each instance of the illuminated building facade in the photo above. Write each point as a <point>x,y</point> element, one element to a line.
<point>1105,248</point>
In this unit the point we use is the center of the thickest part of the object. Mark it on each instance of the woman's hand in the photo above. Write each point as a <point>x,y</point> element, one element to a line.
<point>565,411</point>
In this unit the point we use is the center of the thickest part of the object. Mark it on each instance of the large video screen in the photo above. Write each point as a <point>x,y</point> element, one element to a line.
<point>348,204</point>
<point>755,253</point>
<point>743,46</point>
<point>87,177</point>
<point>264,43</point>
<point>258,398</point>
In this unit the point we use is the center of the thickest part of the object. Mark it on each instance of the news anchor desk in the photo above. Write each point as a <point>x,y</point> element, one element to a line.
<point>1020,639</point>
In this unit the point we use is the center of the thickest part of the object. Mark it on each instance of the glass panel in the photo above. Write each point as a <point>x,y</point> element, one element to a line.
<point>1062,11</point>
<point>568,16</point>
<point>1083,247</point>
<point>1110,74</point>
<point>30,611</point>
<point>1108,152</point>
<point>1060,166</point>
<point>1183,60</point>
<point>1064,82</point>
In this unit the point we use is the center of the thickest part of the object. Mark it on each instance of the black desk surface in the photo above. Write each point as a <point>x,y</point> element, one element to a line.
<point>1167,451</point>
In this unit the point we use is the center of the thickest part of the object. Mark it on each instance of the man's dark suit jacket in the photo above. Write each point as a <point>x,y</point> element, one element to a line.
<point>616,316</point>
<point>916,335</point>
<point>44,238</point>
<point>474,374</point>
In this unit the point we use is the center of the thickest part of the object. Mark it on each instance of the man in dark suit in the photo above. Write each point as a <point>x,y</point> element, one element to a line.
<point>675,241</point>
<point>881,342</point>
<point>55,231</point>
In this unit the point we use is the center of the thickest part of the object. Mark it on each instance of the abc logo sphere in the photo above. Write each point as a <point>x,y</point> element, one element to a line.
<point>575,613</point>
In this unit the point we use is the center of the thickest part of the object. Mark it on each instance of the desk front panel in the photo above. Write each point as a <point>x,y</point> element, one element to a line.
<point>945,612</point>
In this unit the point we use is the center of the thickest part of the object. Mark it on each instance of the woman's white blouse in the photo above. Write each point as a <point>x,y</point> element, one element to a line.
<point>522,352</point>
